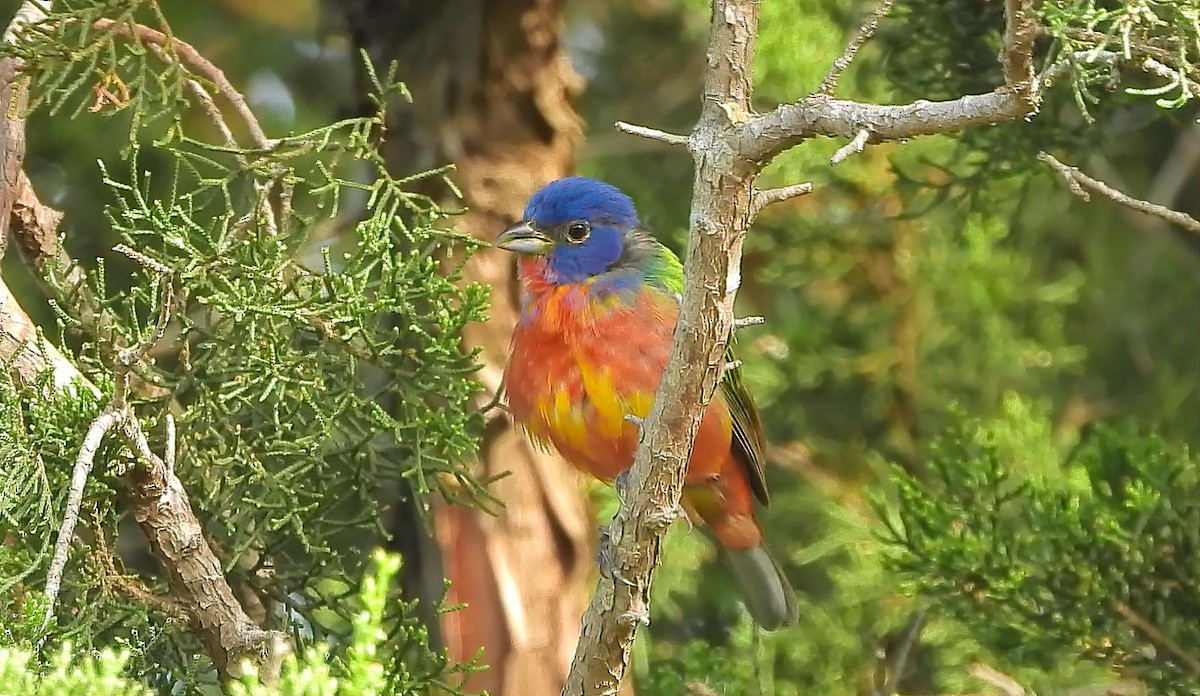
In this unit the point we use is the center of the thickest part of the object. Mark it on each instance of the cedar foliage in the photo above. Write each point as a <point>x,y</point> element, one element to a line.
<point>306,379</point>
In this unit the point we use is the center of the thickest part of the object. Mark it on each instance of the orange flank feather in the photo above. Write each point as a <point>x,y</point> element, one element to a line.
<point>582,361</point>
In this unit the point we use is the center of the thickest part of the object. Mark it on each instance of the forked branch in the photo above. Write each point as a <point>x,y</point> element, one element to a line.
<point>730,145</point>
<point>1081,184</point>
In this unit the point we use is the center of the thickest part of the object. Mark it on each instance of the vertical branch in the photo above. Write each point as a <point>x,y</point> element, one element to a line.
<point>1020,32</point>
<point>721,205</point>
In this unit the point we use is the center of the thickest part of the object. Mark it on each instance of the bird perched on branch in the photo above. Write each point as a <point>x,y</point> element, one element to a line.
<point>599,302</point>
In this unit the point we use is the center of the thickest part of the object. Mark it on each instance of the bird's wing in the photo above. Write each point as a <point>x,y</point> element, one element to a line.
<point>666,272</point>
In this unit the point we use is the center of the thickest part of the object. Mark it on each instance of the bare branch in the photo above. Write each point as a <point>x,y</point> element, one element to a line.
<point>765,136</point>
<point>66,532</point>
<point>653,134</point>
<point>730,145</point>
<point>865,31</point>
<point>1081,183</point>
<point>748,321</point>
<point>853,147</point>
<point>764,198</point>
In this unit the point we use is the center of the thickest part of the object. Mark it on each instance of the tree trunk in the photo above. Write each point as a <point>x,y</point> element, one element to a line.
<point>492,94</point>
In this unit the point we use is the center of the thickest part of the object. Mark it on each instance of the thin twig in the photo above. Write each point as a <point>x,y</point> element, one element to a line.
<point>214,116</point>
<point>743,322</point>
<point>766,197</point>
<point>66,532</point>
<point>1145,50</point>
<point>1155,67</point>
<point>192,58</point>
<point>653,134</point>
<point>129,585</point>
<point>1007,685</point>
<point>1080,184</point>
<point>865,31</point>
<point>896,669</point>
<point>1156,636</point>
<point>853,147</point>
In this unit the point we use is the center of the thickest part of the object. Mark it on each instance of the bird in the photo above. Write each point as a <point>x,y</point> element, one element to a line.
<point>599,300</point>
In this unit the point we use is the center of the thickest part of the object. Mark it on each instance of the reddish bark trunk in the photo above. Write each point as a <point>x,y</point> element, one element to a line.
<point>492,93</point>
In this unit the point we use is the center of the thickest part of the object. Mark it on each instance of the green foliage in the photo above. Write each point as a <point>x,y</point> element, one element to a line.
<point>1056,566</point>
<point>383,656</point>
<point>312,362</point>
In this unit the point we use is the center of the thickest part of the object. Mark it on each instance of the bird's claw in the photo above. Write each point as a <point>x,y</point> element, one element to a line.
<point>639,615</point>
<point>606,560</point>
<point>665,518</point>
<point>622,482</point>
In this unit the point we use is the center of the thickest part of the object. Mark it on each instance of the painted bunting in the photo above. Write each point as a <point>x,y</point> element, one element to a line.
<point>599,302</point>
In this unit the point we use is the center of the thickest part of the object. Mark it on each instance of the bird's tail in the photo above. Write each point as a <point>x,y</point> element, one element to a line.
<point>765,590</point>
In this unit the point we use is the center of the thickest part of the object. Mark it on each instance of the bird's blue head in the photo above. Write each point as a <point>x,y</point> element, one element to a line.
<point>578,224</point>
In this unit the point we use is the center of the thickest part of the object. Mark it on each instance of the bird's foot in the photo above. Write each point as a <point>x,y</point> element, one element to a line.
<point>622,484</point>
<point>638,611</point>
<point>606,560</point>
<point>664,518</point>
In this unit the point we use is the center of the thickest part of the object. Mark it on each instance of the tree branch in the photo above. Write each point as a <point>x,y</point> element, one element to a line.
<point>720,215</point>
<point>652,134</point>
<point>1081,183</point>
<point>766,197</point>
<point>763,137</point>
<point>853,147</point>
<point>730,145</point>
<point>766,135</point>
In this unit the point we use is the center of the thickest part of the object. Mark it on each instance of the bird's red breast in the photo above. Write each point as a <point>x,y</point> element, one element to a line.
<point>584,357</point>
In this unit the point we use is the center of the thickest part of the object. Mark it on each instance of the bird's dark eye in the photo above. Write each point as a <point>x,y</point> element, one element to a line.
<point>578,231</point>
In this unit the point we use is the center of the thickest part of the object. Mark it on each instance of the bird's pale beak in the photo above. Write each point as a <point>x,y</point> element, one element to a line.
<point>522,238</point>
